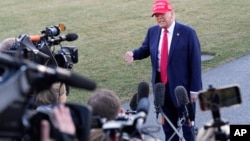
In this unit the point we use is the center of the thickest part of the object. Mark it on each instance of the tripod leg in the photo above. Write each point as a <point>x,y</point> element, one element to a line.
<point>173,127</point>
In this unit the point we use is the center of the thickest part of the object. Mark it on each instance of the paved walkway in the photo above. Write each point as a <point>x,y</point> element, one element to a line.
<point>235,72</point>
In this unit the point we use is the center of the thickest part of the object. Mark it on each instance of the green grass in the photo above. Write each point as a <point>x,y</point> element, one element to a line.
<point>108,28</point>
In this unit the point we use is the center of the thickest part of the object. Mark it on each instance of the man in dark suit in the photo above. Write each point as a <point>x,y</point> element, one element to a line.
<point>182,66</point>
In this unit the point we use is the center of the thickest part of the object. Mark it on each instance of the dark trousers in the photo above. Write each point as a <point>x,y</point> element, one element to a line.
<point>172,113</point>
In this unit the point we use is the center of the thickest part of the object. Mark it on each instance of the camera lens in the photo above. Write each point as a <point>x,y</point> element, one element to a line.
<point>52,31</point>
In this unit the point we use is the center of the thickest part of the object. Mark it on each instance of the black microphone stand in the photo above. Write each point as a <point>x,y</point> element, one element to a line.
<point>176,129</point>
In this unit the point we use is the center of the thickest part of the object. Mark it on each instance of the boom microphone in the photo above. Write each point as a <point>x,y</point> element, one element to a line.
<point>63,75</point>
<point>159,97</point>
<point>68,37</point>
<point>142,91</point>
<point>48,74</point>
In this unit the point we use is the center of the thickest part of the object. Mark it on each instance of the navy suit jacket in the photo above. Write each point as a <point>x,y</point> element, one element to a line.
<point>184,63</point>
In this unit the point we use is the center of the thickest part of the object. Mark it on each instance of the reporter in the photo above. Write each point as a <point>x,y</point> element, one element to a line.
<point>105,104</point>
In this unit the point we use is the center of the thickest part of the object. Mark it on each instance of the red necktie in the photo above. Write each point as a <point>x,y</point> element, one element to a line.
<point>164,58</point>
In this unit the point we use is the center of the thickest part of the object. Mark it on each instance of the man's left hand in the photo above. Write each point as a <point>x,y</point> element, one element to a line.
<point>193,97</point>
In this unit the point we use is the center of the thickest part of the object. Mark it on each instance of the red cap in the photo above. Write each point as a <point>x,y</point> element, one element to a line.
<point>161,7</point>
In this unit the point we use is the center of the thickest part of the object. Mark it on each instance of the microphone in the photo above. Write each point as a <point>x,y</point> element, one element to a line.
<point>184,103</point>
<point>181,95</point>
<point>40,74</point>
<point>133,102</point>
<point>62,75</point>
<point>68,37</point>
<point>142,90</point>
<point>186,108</point>
<point>142,112</point>
<point>182,100</point>
<point>159,97</point>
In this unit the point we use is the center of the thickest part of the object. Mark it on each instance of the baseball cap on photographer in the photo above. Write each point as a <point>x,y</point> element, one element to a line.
<point>161,7</point>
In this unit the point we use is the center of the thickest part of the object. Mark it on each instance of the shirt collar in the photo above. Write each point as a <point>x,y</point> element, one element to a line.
<point>171,27</point>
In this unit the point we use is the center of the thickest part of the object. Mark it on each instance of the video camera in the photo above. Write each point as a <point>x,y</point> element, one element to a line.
<point>215,98</point>
<point>21,78</point>
<point>40,48</point>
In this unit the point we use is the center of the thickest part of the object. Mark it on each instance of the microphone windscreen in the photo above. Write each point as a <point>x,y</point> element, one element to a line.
<point>75,80</point>
<point>181,96</point>
<point>133,102</point>
<point>71,37</point>
<point>142,91</point>
<point>159,94</point>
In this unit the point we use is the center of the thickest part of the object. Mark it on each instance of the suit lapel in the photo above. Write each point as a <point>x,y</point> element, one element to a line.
<point>175,38</point>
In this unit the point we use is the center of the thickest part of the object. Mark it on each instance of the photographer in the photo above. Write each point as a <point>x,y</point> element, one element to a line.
<point>45,101</point>
<point>19,121</point>
<point>105,104</point>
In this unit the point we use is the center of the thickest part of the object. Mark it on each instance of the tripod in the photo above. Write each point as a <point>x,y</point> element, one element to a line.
<point>220,135</point>
<point>181,121</point>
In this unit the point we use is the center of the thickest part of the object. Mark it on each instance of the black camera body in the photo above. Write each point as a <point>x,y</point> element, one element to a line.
<point>21,80</point>
<point>66,57</point>
<point>42,50</point>
<point>81,116</point>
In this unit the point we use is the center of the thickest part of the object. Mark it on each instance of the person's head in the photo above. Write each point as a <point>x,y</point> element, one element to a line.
<point>163,13</point>
<point>56,93</point>
<point>7,44</point>
<point>105,103</point>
